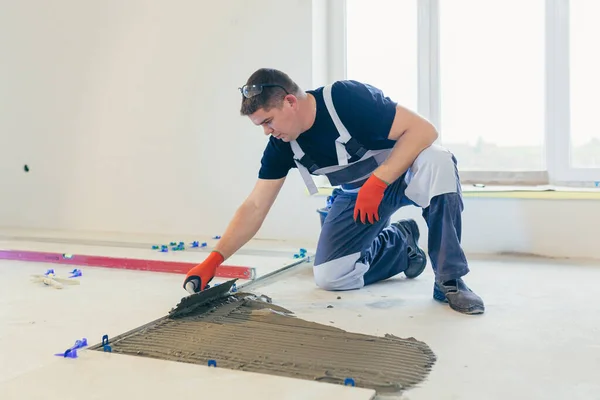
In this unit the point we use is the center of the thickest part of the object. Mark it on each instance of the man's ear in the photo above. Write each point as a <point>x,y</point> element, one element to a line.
<point>291,101</point>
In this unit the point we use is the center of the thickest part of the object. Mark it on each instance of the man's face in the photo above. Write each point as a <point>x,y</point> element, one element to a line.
<point>282,122</point>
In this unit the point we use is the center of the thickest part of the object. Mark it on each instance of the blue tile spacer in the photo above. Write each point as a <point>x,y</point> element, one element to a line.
<point>75,273</point>
<point>349,381</point>
<point>80,344</point>
<point>213,363</point>
<point>70,353</point>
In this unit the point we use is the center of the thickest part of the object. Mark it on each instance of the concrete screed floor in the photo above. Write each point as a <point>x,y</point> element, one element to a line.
<point>539,337</point>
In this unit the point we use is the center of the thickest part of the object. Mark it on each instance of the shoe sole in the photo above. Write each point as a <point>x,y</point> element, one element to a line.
<point>414,230</point>
<point>441,297</point>
<point>419,271</point>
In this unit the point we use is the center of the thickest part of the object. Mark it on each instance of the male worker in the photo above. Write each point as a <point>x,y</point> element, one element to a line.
<point>382,157</point>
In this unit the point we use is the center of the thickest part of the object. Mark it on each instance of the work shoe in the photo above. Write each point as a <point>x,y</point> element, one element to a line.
<point>417,261</point>
<point>458,295</point>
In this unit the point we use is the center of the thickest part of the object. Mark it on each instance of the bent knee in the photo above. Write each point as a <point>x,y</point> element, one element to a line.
<point>325,284</point>
<point>345,273</point>
<point>436,157</point>
<point>328,281</point>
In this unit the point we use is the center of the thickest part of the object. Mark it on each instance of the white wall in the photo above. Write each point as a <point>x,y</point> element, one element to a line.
<point>127,112</point>
<point>128,115</point>
<point>551,228</point>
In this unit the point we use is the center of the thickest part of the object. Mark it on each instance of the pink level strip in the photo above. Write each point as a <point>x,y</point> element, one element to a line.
<point>224,271</point>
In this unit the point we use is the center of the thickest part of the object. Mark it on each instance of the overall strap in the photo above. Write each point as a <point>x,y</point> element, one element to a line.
<point>342,154</point>
<point>346,146</point>
<point>300,158</point>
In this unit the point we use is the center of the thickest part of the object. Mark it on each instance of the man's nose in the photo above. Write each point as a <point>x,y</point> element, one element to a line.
<point>268,130</point>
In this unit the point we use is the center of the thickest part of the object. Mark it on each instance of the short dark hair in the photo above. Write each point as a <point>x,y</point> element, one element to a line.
<point>271,96</point>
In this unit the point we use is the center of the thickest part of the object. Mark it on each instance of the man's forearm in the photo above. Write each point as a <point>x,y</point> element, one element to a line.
<point>405,151</point>
<point>243,226</point>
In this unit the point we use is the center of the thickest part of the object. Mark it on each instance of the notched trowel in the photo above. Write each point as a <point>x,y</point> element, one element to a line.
<point>193,302</point>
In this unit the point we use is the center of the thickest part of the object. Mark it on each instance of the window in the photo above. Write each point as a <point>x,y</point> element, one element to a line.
<point>382,47</point>
<point>511,85</point>
<point>584,83</point>
<point>492,83</point>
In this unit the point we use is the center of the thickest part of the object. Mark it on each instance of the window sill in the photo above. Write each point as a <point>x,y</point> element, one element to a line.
<point>546,192</point>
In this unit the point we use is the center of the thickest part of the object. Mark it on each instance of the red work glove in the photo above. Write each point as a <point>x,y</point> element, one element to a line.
<point>368,200</point>
<point>198,277</point>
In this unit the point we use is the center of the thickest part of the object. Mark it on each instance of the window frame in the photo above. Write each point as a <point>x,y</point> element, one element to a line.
<point>557,149</point>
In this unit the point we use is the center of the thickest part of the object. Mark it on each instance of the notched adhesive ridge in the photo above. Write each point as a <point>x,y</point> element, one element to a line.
<point>246,332</point>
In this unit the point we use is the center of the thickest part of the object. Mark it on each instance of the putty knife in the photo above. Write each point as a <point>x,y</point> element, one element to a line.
<point>194,301</point>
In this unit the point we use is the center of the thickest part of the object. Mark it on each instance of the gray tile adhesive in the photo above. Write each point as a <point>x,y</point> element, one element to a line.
<point>243,331</point>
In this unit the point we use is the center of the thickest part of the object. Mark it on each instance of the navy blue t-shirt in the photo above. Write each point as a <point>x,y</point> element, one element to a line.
<point>363,109</point>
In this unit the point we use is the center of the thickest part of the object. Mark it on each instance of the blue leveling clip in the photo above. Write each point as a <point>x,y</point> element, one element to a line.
<point>195,243</point>
<point>155,247</point>
<point>72,351</point>
<point>234,288</point>
<point>349,381</point>
<point>80,343</point>
<point>217,237</point>
<point>50,271</point>
<point>105,345</point>
<point>75,273</point>
<point>213,363</point>
<point>302,254</point>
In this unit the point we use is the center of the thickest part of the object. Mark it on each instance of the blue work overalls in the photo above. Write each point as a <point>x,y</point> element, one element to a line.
<point>351,254</point>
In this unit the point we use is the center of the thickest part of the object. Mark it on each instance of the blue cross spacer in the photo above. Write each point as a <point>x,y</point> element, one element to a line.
<point>213,363</point>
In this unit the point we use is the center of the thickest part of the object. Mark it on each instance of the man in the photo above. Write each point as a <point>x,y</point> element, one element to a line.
<point>383,157</point>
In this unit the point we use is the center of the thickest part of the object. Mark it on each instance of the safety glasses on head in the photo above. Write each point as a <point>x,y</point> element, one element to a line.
<point>254,90</point>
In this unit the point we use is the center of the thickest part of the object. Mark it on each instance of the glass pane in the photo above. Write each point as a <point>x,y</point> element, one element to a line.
<point>382,47</point>
<point>492,83</point>
<point>585,83</point>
